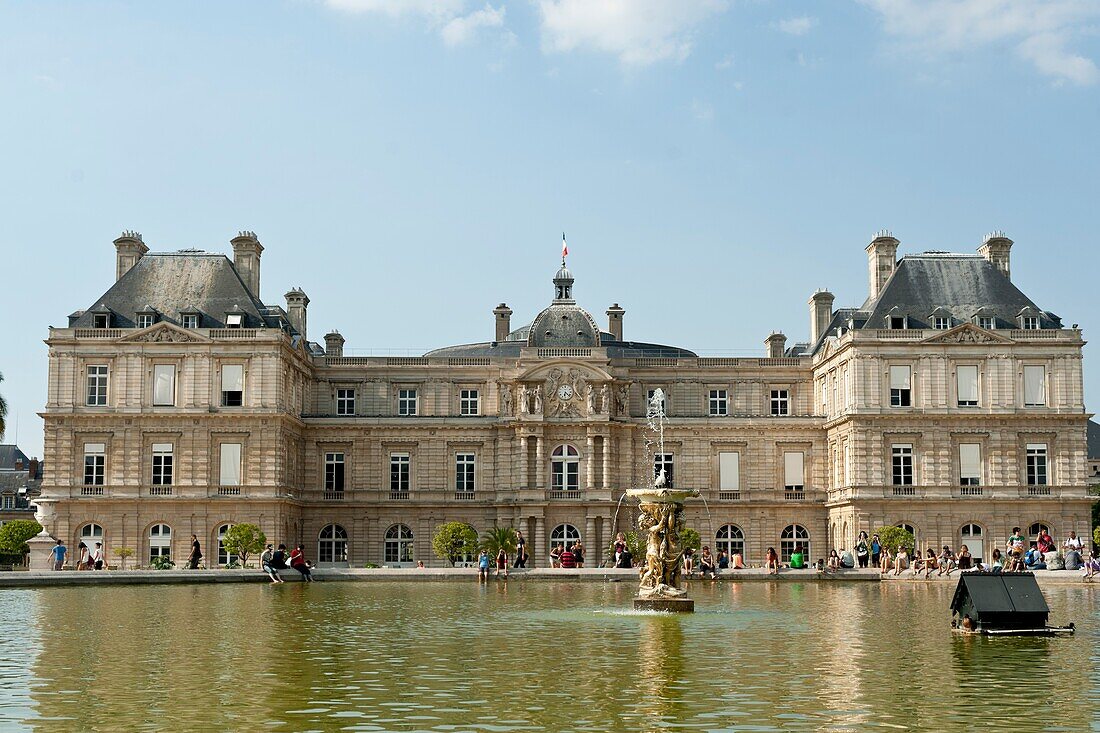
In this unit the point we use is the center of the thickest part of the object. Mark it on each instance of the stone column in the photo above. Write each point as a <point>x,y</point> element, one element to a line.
<point>538,551</point>
<point>605,476</point>
<point>590,540</point>
<point>590,461</point>
<point>539,453</point>
<point>524,469</point>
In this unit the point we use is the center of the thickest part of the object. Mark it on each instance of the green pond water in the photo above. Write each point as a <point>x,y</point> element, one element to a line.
<point>531,657</point>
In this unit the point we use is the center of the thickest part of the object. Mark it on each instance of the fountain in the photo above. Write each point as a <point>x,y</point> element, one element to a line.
<point>660,521</point>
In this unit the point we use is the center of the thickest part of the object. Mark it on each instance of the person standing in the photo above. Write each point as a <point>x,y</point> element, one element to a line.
<point>578,555</point>
<point>82,559</point>
<point>298,562</point>
<point>521,551</point>
<point>196,554</point>
<point>862,551</point>
<point>1015,547</point>
<point>96,558</point>
<point>876,549</point>
<point>59,551</point>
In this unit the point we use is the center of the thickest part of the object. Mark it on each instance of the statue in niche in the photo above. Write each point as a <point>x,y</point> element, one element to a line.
<point>590,398</point>
<point>623,399</point>
<point>505,400</point>
<point>524,400</point>
<point>538,401</point>
<point>605,399</point>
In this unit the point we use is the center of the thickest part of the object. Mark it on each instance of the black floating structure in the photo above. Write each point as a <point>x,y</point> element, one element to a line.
<point>1001,603</point>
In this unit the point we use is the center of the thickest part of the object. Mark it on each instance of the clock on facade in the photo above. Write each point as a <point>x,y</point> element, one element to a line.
<point>565,392</point>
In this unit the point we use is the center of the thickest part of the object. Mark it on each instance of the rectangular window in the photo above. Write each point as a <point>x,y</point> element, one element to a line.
<point>334,472</point>
<point>469,402</point>
<point>164,384</point>
<point>794,471</point>
<point>1035,386</point>
<point>230,464</point>
<point>1036,464</point>
<point>649,401</point>
<point>234,320</point>
<point>966,379</point>
<point>95,455</point>
<point>896,322</point>
<point>232,385</point>
<point>780,402</point>
<point>719,402</point>
<point>663,462</point>
<point>399,474</point>
<point>8,501</point>
<point>970,464</point>
<point>729,471</point>
<point>144,320</point>
<point>101,320</point>
<point>1029,323</point>
<point>97,385</point>
<point>162,464</point>
<point>190,320</point>
<point>987,322</point>
<point>825,396</point>
<point>900,386</point>
<point>406,402</point>
<point>941,323</point>
<point>464,472</point>
<point>345,402</point>
<point>902,464</point>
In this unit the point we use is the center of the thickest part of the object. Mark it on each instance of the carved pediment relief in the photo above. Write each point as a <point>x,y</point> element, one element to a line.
<point>165,333</point>
<point>565,389</point>
<point>967,333</point>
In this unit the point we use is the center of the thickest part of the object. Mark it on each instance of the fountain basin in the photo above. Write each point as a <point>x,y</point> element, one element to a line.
<point>664,604</point>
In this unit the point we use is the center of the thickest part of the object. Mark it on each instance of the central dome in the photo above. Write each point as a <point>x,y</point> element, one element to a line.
<point>563,323</point>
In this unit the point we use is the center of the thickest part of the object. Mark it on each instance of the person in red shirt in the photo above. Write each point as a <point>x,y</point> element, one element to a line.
<point>298,562</point>
<point>567,560</point>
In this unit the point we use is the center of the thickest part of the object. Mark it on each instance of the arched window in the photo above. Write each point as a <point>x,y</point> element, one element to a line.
<point>564,534</point>
<point>332,544</point>
<point>89,535</point>
<point>730,538</point>
<point>971,536</point>
<point>794,537</point>
<point>399,544</point>
<point>1036,528</point>
<point>565,467</point>
<point>160,542</point>
<point>224,558</point>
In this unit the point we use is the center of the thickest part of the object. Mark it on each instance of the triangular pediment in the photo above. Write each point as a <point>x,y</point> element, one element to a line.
<point>166,333</point>
<point>967,333</point>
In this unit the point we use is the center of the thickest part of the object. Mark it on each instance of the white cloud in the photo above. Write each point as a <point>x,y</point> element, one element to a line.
<point>462,29</point>
<point>799,26</point>
<point>638,32</point>
<point>1038,30</point>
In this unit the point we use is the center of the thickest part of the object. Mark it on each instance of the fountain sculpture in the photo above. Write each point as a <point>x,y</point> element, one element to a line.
<point>660,521</point>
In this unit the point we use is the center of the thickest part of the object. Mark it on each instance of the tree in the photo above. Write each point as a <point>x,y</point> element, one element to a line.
<point>1096,536</point>
<point>3,410</point>
<point>894,537</point>
<point>14,536</point>
<point>497,538</point>
<point>454,540</point>
<point>690,538</point>
<point>123,553</point>
<point>243,540</point>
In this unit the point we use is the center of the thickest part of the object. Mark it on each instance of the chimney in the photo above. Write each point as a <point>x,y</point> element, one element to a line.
<point>334,344</point>
<point>777,344</point>
<point>821,312</point>
<point>296,302</point>
<point>128,250</point>
<point>882,259</point>
<point>503,316</point>
<point>18,464</point>
<point>615,321</point>
<point>995,248</point>
<point>32,469</point>
<point>246,258</point>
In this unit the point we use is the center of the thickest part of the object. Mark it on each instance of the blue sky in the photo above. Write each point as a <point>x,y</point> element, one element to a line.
<point>412,164</point>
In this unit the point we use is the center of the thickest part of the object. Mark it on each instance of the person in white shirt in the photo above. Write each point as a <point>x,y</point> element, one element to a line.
<point>1073,543</point>
<point>96,557</point>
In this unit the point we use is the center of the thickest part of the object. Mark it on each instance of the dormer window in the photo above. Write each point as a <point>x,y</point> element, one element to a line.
<point>144,320</point>
<point>895,322</point>
<point>234,320</point>
<point>986,322</point>
<point>941,323</point>
<point>1029,323</point>
<point>189,320</point>
<point>101,320</point>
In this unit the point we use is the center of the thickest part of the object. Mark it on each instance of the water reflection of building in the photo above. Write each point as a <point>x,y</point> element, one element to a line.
<point>661,669</point>
<point>179,402</point>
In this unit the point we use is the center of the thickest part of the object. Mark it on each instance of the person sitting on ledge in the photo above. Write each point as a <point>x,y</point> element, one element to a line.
<point>1090,566</point>
<point>947,561</point>
<point>567,559</point>
<point>834,562</point>
<point>964,560</point>
<point>1033,558</point>
<point>723,560</point>
<point>996,564</point>
<point>626,560</point>
<point>555,556</point>
<point>901,560</point>
<point>930,563</point>
<point>886,563</point>
<point>771,562</point>
<point>798,559</point>
<point>483,566</point>
<point>706,563</point>
<point>847,560</point>
<point>737,562</point>
<point>689,562</point>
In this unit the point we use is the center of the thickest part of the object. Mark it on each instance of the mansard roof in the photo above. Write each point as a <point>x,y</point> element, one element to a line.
<point>960,285</point>
<point>171,283</point>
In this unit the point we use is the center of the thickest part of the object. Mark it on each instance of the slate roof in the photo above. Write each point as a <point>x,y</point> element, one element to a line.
<point>1093,440</point>
<point>957,285</point>
<point>9,454</point>
<point>173,283</point>
<point>615,349</point>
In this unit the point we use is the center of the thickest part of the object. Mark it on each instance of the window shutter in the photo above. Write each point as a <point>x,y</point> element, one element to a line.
<point>232,378</point>
<point>970,461</point>
<point>1035,385</point>
<point>793,469</point>
<point>231,464</point>
<point>729,471</point>
<point>164,384</point>
<point>967,377</point>
<point>899,377</point>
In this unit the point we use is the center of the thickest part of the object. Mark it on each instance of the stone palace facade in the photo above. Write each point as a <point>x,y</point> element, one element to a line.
<point>180,403</point>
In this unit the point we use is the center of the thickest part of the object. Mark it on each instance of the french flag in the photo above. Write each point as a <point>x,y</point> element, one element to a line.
<point>564,246</point>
